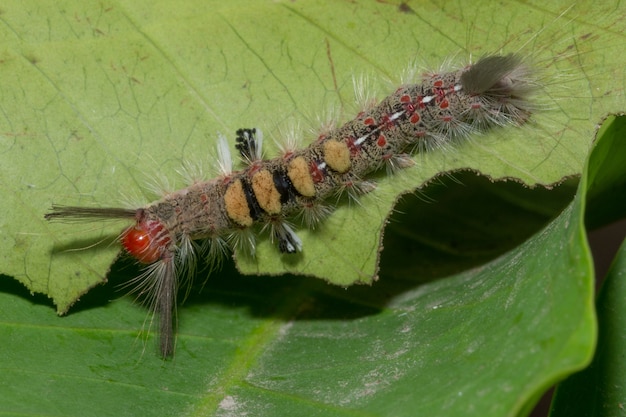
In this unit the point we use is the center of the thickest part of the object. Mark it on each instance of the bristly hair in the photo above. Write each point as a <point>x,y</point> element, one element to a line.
<point>156,287</point>
<point>81,214</point>
<point>224,159</point>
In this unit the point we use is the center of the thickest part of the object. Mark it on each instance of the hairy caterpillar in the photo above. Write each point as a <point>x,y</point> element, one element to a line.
<point>443,108</point>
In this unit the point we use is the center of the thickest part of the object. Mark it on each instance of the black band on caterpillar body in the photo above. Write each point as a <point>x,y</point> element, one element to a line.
<point>445,107</point>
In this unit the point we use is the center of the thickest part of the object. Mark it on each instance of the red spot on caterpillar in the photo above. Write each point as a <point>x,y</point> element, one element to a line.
<point>369,122</point>
<point>440,95</point>
<point>444,104</point>
<point>254,168</point>
<point>316,173</point>
<point>145,241</point>
<point>382,141</point>
<point>354,148</point>
<point>411,109</point>
<point>438,83</point>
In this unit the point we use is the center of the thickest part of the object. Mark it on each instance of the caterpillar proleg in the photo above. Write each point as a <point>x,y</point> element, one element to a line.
<point>221,213</point>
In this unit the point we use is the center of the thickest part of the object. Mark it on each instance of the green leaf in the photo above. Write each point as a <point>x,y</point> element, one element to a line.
<point>477,310</point>
<point>599,390</point>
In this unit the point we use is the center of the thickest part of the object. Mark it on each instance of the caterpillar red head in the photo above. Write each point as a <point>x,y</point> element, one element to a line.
<point>147,241</point>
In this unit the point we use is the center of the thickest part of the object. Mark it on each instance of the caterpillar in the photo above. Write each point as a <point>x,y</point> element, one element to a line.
<point>219,215</point>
